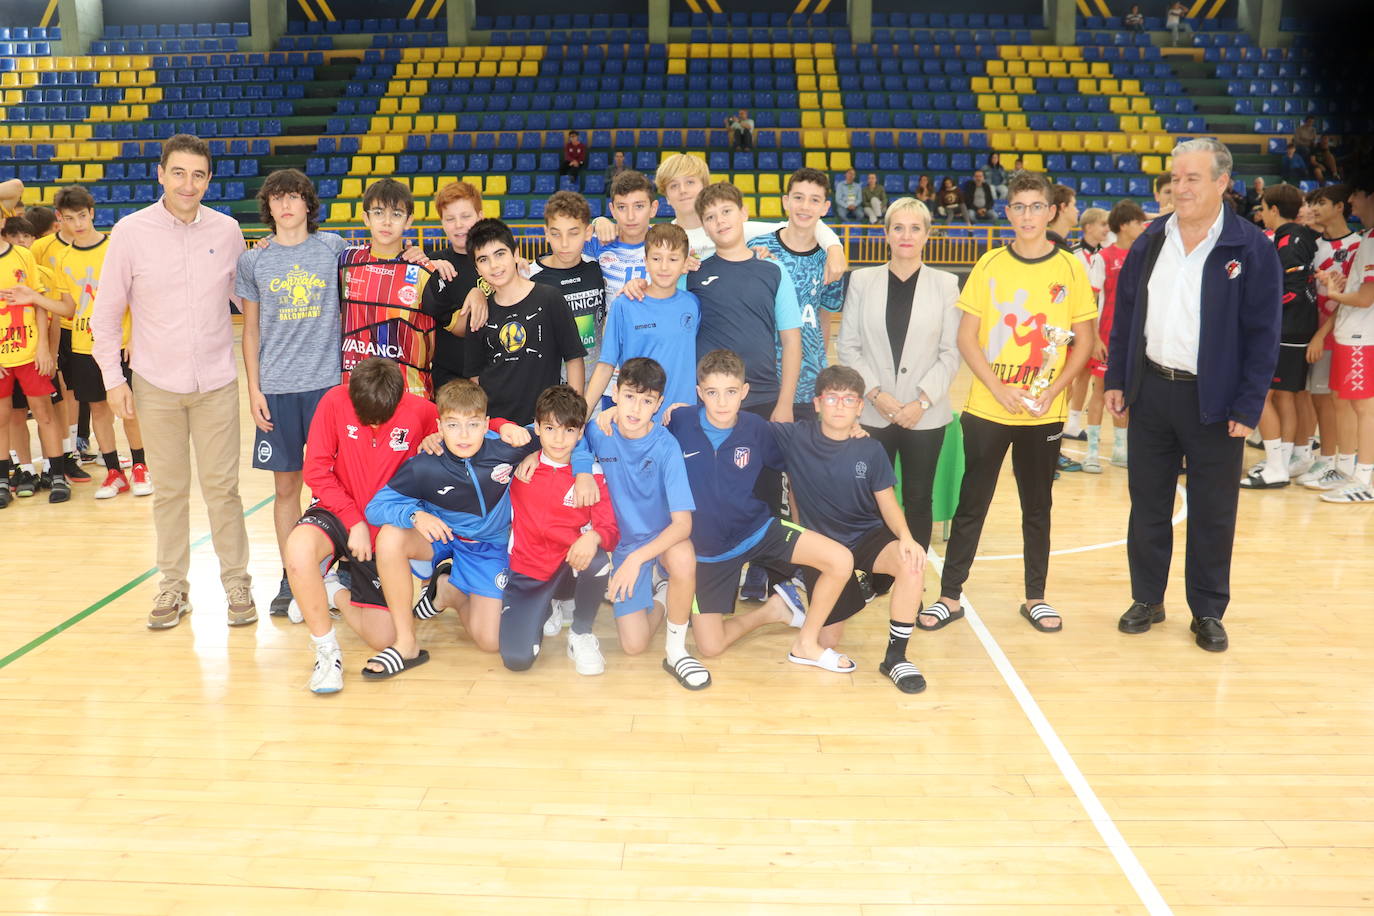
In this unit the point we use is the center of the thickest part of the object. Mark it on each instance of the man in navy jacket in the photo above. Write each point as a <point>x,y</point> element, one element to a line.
<point>1193,348</point>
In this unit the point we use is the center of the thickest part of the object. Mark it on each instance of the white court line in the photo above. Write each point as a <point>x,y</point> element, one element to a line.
<point>1106,827</point>
<point>1179,516</point>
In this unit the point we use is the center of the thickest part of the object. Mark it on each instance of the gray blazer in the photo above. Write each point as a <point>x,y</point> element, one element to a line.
<point>930,357</point>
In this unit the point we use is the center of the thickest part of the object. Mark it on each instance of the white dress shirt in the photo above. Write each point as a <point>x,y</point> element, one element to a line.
<point>1173,323</point>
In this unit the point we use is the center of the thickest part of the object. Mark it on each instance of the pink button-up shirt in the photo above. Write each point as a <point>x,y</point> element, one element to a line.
<point>177,279</point>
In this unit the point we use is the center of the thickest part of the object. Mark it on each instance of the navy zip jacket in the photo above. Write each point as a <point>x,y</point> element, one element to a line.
<point>723,479</point>
<point>470,495</point>
<point>1238,344</point>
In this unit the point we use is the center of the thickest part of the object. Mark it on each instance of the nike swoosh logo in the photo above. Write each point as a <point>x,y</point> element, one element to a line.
<point>445,490</point>
<point>690,454</point>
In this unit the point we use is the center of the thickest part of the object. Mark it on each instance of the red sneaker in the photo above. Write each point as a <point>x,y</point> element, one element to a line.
<point>143,483</point>
<point>115,483</point>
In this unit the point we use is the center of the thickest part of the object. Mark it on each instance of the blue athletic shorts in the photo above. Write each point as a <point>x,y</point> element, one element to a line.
<point>478,568</point>
<point>283,449</point>
<point>642,598</point>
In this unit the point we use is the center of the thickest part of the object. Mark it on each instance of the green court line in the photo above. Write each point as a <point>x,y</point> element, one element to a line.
<point>123,589</point>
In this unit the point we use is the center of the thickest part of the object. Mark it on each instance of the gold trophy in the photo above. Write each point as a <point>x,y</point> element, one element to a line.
<point>1054,339</point>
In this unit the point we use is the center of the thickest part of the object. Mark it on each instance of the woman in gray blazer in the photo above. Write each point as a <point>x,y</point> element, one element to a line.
<point>900,330</point>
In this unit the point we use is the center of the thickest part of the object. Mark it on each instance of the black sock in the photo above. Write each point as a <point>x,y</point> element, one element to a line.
<point>57,467</point>
<point>83,420</point>
<point>111,460</point>
<point>586,606</point>
<point>5,467</point>
<point>137,455</point>
<point>897,635</point>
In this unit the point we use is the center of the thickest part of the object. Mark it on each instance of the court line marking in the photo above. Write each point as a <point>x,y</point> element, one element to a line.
<point>1116,844</point>
<point>122,590</point>
<point>1179,516</point>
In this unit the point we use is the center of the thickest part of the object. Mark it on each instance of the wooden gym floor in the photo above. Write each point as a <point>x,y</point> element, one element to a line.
<point>1088,772</point>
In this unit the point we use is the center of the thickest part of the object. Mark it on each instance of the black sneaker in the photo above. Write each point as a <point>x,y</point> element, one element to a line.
<point>61,490</point>
<point>44,481</point>
<point>24,484</point>
<point>282,602</point>
<point>75,473</point>
<point>5,495</point>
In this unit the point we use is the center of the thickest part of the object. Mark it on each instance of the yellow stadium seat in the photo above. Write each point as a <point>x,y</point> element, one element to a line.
<point>1000,141</point>
<point>1094,143</point>
<point>996,68</point>
<point>1141,105</point>
<point>833,119</point>
<point>1047,142</point>
<point>410,105</point>
<point>1139,143</point>
<point>403,124</point>
<point>980,84</point>
<point>340,213</point>
<point>802,49</point>
<point>1001,84</point>
<point>1023,85</point>
<point>360,165</point>
<point>830,83</point>
<point>82,131</point>
<point>1035,69</point>
<point>403,71</point>
<point>770,208</point>
<point>71,174</point>
<point>491,209</point>
<point>837,139</point>
<point>987,103</point>
<point>1009,52</point>
<point>1118,143</point>
<point>486,69</point>
<point>372,143</point>
<point>388,105</point>
<point>1130,87</point>
<point>33,194</point>
<point>1152,165</point>
<point>447,69</point>
<point>496,185</point>
<point>808,100</point>
<point>1008,103</point>
<point>1034,162</point>
<point>41,132</point>
<point>811,120</point>
<point>832,101</point>
<point>677,66</point>
<point>423,186</point>
<point>1038,52</point>
<point>760,50</point>
<point>1071,143</point>
<point>841,161</point>
<point>1119,104</point>
<point>424,124</point>
<point>745,183</point>
<point>94,171</point>
<point>992,121</point>
<point>816,160</point>
<point>825,65</point>
<point>1023,142</point>
<point>769,183</point>
<point>100,113</point>
<point>1099,69</point>
<point>424,71</point>
<point>1087,87</point>
<point>813,139</point>
<point>467,69</point>
<point>393,143</point>
<point>1021,67</point>
<point>804,65</point>
<point>1075,70</point>
<point>1016,122</point>
<point>384,166</point>
<point>807,83</point>
<point>1130,124</point>
<point>1162,143</point>
<point>446,124</point>
<point>351,187</point>
<point>1110,86</point>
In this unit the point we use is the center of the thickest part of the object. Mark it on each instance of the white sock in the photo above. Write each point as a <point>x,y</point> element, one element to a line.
<point>1286,453</point>
<point>674,641</point>
<point>332,586</point>
<point>28,468</point>
<point>326,642</point>
<point>1345,464</point>
<point>67,445</point>
<point>1302,453</point>
<point>1075,424</point>
<point>1274,465</point>
<point>1364,473</point>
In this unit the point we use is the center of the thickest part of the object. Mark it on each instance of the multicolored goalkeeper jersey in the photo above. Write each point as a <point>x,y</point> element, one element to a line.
<point>389,309</point>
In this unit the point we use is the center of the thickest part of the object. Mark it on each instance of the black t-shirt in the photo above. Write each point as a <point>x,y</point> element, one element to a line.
<point>834,480</point>
<point>520,351</point>
<point>1297,247</point>
<point>448,347</point>
<point>900,298</point>
<point>584,289</point>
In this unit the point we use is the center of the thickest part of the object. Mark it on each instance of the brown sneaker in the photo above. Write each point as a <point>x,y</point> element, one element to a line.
<point>168,609</point>
<point>242,610</point>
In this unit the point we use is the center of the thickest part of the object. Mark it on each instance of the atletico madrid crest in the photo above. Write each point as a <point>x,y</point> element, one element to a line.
<point>742,457</point>
<point>1232,269</point>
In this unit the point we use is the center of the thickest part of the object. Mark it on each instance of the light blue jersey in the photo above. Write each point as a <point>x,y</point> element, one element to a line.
<point>807,270</point>
<point>620,263</point>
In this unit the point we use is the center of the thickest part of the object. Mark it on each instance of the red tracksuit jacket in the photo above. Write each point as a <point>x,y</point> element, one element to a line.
<point>545,523</point>
<point>347,462</point>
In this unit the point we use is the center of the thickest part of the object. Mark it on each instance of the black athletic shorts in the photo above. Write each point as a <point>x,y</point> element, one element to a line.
<point>1291,372</point>
<point>864,585</point>
<point>365,585</point>
<point>718,583</point>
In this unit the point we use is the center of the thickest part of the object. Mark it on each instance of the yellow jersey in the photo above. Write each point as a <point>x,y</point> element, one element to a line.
<point>80,276</point>
<point>46,251</point>
<point>19,323</point>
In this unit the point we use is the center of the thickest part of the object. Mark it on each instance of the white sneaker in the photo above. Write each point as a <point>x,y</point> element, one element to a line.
<point>1355,492</point>
<point>562,612</point>
<point>585,651</point>
<point>331,588</point>
<point>328,674</point>
<point>1315,471</point>
<point>1298,466</point>
<point>293,614</point>
<point>1331,479</point>
<point>1119,457</point>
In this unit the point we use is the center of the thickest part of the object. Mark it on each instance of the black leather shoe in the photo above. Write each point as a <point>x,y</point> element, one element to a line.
<point>1139,617</point>
<point>1211,635</point>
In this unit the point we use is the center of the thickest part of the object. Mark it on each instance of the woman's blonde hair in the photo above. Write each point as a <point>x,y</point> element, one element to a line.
<point>905,205</point>
<point>680,164</point>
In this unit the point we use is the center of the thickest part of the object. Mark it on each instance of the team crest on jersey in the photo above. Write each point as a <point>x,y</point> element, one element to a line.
<point>1232,269</point>
<point>407,295</point>
<point>861,470</point>
<point>20,276</point>
<point>412,273</point>
<point>1340,255</point>
<point>1058,293</point>
<point>569,498</point>
<point>502,473</point>
<point>742,457</point>
<point>400,440</point>
<point>352,431</point>
<point>502,578</point>
<point>607,259</point>
<point>512,336</point>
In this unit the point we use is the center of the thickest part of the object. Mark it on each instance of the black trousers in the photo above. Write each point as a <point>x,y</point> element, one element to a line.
<point>1166,428</point>
<point>919,450</point>
<point>1034,454</point>
<point>527,602</point>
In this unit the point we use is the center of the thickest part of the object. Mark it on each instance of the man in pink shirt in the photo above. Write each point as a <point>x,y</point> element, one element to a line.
<point>172,267</point>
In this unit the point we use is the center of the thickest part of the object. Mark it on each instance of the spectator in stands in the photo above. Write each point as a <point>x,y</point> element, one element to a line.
<point>949,203</point>
<point>1177,20</point>
<point>875,199</point>
<point>178,260</point>
<point>1322,156</point>
<point>1019,165</point>
<point>574,155</point>
<point>899,330</point>
<point>1294,165</point>
<point>848,197</point>
<point>741,128</point>
<point>1134,21</point>
<point>1254,199</point>
<point>1305,137</point>
<point>979,197</point>
<point>996,176</point>
<point>616,167</point>
<point>924,191</point>
<point>11,198</point>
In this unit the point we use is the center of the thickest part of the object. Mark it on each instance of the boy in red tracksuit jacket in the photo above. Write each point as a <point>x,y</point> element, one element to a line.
<point>552,542</point>
<point>361,433</point>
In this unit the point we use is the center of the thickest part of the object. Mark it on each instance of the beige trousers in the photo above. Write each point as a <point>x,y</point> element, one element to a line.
<point>173,424</point>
